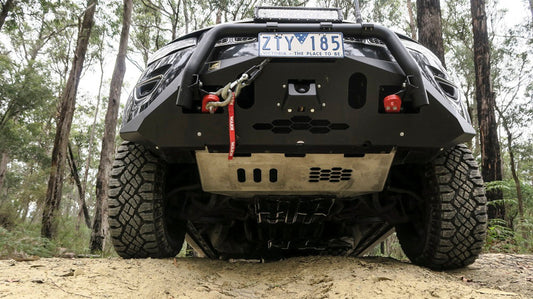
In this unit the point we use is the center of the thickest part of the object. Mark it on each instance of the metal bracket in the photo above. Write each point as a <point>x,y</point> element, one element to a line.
<point>272,26</point>
<point>326,26</point>
<point>408,83</point>
<point>368,27</point>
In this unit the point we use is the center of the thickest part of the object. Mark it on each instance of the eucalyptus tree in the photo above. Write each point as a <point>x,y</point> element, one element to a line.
<point>99,229</point>
<point>429,24</point>
<point>391,13</point>
<point>227,11</point>
<point>7,5</point>
<point>458,46</point>
<point>148,32</point>
<point>412,22</point>
<point>64,123</point>
<point>27,86</point>
<point>512,74</point>
<point>531,8</point>
<point>29,31</point>
<point>168,9</point>
<point>491,162</point>
<point>88,124</point>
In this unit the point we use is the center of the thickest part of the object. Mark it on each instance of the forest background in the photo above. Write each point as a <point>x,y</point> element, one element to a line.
<point>53,172</point>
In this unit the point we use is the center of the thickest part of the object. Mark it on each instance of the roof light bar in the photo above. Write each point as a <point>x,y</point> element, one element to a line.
<point>298,14</point>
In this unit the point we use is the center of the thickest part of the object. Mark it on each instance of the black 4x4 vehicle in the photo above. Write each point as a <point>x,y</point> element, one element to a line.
<point>297,135</point>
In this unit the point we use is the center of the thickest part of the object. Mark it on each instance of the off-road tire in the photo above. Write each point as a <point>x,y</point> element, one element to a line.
<point>138,219</point>
<point>450,228</point>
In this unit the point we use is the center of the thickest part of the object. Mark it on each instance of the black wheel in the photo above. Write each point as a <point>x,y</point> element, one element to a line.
<point>448,229</point>
<point>138,220</point>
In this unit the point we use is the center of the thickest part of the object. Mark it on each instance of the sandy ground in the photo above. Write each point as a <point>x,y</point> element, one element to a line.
<point>492,276</point>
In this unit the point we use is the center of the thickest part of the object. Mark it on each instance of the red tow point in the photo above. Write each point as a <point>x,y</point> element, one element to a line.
<point>392,103</point>
<point>207,99</point>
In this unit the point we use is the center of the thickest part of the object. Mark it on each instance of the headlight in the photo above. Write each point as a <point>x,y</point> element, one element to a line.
<point>162,70</point>
<point>433,70</point>
<point>172,47</point>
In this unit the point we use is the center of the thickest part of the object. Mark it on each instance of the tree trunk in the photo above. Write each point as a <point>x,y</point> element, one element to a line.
<point>491,169</point>
<point>25,211</point>
<point>108,143</point>
<point>516,179</point>
<point>5,10</point>
<point>186,16</point>
<point>531,9</point>
<point>219,16</point>
<point>91,141</point>
<point>64,123</point>
<point>175,19</point>
<point>76,176</point>
<point>412,24</point>
<point>428,19</point>
<point>4,158</point>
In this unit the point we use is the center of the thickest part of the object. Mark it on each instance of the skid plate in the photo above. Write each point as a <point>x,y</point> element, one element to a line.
<point>276,174</point>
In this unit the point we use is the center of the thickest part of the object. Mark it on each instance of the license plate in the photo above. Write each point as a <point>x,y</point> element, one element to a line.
<point>301,44</point>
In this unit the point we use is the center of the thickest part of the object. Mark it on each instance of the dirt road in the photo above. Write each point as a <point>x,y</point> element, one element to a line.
<point>492,276</point>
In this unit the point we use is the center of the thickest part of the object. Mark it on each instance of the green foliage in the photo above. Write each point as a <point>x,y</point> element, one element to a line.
<point>27,99</point>
<point>148,33</point>
<point>458,47</point>
<point>8,216</point>
<point>498,231</point>
<point>24,240</point>
<point>70,239</point>
<point>502,238</point>
<point>511,235</point>
<point>495,185</point>
<point>23,88</point>
<point>23,243</point>
<point>26,189</point>
<point>391,248</point>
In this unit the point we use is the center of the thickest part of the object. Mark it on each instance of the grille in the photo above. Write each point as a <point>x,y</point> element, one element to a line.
<point>300,123</point>
<point>332,175</point>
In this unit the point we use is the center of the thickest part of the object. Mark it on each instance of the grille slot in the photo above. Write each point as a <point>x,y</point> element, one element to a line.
<point>241,175</point>
<point>300,123</point>
<point>273,175</point>
<point>332,175</point>
<point>146,87</point>
<point>257,175</point>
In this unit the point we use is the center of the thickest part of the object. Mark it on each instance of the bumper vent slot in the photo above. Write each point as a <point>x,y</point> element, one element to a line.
<point>449,88</point>
<point>300,123</point>
<point>257,175</point>
<point>149,82</point>
<point>332,175</point>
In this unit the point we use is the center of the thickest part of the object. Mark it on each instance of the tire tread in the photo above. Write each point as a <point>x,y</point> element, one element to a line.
<point>457,220</point>
<point>136,209</point>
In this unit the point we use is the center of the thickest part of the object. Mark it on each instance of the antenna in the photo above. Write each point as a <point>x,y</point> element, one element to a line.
<point>358,18</point>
